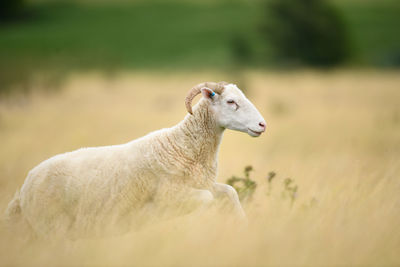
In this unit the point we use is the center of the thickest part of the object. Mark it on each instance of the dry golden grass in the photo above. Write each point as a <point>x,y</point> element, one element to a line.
<point>336,134</point>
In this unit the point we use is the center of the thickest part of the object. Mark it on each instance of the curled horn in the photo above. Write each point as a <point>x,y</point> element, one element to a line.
<point>216,87</point>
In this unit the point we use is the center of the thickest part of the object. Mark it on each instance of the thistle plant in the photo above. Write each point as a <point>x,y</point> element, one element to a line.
<point>244,186</point>
<point>270,177</point>
<point>290,190</point>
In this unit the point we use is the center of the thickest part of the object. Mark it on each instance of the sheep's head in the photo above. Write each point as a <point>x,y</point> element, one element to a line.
<point>231,107</point>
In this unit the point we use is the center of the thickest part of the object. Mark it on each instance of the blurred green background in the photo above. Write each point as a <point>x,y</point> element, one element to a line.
<point>56,37</point>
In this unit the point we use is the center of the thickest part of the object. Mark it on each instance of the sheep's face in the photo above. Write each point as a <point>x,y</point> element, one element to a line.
<point>234,111</point>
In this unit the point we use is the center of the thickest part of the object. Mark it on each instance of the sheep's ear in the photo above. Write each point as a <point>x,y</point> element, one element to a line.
<point>208,93</point>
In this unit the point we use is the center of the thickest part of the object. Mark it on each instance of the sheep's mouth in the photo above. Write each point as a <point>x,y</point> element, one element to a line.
<point>254,133</point>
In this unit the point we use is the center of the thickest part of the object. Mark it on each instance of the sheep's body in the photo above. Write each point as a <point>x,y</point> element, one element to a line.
<point>90,188</point>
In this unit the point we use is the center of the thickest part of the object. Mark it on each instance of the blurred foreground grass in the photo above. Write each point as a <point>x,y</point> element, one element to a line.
<point>336,134</point>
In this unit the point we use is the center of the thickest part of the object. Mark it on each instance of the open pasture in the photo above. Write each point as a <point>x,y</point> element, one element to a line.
<point>335,134</point>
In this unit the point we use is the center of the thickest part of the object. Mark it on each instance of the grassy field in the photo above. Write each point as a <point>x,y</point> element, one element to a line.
<point>336,134</point>
<point>59,37</point>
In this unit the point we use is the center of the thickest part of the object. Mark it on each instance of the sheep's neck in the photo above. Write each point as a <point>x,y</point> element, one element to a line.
<point>202,134</point>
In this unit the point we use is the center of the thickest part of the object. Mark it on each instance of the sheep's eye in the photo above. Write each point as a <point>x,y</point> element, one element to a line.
<point>230,102</point>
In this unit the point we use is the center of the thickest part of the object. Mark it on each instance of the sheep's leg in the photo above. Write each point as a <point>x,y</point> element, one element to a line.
<point>179,200</point>
<point>228,192</point>
<point>196,199</point>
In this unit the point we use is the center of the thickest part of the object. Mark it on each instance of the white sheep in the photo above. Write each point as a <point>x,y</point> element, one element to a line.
<point>90,189</point>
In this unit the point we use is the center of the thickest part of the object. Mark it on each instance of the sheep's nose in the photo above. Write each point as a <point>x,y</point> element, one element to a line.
<point>262,125</point>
